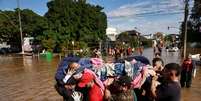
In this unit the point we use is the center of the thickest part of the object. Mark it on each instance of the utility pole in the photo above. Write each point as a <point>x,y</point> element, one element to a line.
<point>19,16</point>
<point>185,26</point>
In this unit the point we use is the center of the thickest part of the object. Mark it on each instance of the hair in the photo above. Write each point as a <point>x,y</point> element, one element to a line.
<point>157,54</point>
<point>71,66</point>
<point>125,81</point>
<point>155,60</point>
<point>174,66</point>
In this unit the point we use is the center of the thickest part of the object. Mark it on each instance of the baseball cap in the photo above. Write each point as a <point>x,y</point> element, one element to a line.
<point>86,78</point>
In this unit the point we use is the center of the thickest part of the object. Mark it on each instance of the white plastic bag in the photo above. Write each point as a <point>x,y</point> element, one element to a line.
<point>194,72</point>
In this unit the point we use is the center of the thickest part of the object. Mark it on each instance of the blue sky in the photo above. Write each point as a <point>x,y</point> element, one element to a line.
<point>146,16</point>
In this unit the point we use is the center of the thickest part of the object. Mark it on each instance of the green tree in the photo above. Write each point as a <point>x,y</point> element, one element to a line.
<point>9,28</point>
<point>32,25</point>
<point>65,21</point>
<point>129,38</point>
<point>76,20</point>
<point>168,38</point>
<point>194,24</point>
<point>48,40</point>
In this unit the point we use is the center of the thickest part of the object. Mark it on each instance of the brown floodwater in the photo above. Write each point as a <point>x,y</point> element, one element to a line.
<point>27,79</point>
<point>32,79</point>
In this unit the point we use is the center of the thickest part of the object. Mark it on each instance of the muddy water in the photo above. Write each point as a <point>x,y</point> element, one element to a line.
<point>27,79</point>
<point>32,79</point>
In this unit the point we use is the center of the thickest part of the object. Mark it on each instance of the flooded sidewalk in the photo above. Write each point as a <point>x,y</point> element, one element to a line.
<point>32,79</point>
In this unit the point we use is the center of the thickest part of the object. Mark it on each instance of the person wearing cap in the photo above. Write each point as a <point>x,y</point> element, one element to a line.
<point>93,90</point>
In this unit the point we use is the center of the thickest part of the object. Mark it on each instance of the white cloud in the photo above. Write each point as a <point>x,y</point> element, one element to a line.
<point>125,10</point>
<point>147,26</point>
<point>147,8</point>
<point>160,26</point>
<point>144,16</point>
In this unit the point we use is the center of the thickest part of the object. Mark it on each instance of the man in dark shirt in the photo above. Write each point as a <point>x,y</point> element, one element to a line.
<point>169,89</point>
<point>168,92</point>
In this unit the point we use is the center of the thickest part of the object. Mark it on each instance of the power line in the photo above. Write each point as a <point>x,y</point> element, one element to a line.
<point>152,14</point>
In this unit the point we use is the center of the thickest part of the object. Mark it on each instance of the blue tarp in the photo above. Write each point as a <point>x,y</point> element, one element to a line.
<point>60,74</point>
<point>85,63</point>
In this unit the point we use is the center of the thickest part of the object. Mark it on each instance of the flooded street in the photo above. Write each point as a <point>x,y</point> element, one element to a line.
<point>32,79</point>
<point>27,79</point>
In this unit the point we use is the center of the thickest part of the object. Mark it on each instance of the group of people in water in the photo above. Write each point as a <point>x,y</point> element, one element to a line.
<point>128,79</point>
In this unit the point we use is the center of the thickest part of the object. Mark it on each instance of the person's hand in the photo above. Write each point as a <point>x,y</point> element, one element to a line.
<point>161,68</point>
<point>155,77</point>
<point>109,81</point>
<point>154,84</point>
<point>70,71</point>
<point>153,88</point>
<point>107,94</point>
<point>143,92</point>
<point>69,86</point>
<point>151,72</point>
<point>76,96</point>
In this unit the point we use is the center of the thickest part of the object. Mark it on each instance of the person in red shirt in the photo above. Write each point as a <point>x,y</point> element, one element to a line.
<point>129,51</point>
<point>187,72</point>
<point>95,92</point>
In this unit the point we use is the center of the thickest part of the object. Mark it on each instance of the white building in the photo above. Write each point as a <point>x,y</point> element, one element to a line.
<point>27,44</point>
<point>112,33</point>
<point>149,36</point>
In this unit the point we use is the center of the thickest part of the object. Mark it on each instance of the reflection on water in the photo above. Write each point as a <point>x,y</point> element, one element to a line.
<point>32,79</point>
<point>27,79</point>
<point>193,93</point>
